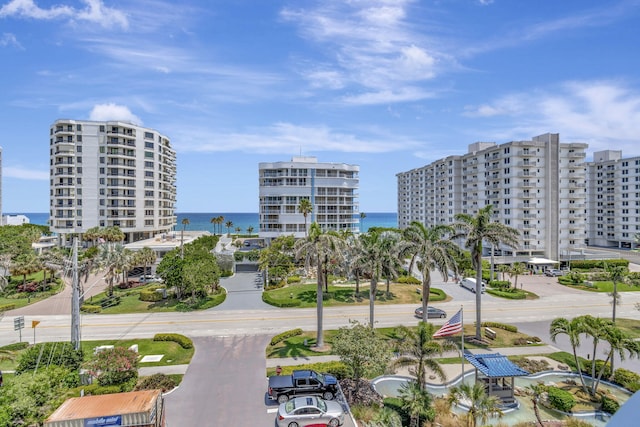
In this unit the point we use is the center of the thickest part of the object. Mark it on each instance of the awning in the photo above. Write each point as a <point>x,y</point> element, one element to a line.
<point>542,261</point>
<point>495,365</point>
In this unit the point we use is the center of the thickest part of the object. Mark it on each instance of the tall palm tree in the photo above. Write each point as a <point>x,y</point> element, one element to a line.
<point>184,222</point>
<point>305,208</point>
<point>430,250</point>
<point>354,265</point>
<point>503,269</point>
<point>362,217</point>
<point>214,221</point>
<point>517,269</point>
<point>419,350</point>
<point>617,274</point>
<point>619,343</point>
<point>228,224</point>
<point>475,231</point>
<point>220,220</point>
<point>250,230</point>
<point>146,257</point>
<point>481,406</point>
<point>319,246</point>
<point>572,329</point>
<point>112,258</point>
<point>536,391</point>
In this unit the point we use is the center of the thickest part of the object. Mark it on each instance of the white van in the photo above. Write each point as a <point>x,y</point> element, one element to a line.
<point>470,283</point>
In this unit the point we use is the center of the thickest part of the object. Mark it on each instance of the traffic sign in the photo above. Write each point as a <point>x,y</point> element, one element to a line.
<point>35,323</point>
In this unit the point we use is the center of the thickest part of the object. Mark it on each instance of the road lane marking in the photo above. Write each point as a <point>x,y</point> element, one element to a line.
<point>272,410</point>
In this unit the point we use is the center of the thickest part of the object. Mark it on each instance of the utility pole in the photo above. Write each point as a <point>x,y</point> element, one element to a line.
<point>75,298</point>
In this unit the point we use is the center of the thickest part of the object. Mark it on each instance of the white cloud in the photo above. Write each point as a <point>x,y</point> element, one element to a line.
<point>288,138</point>
<point>25,173</point>
<point>604,114</point>
<point>372,46</point>
<point>105,112</point>
<point>8,39</point>
<point>94,12</point>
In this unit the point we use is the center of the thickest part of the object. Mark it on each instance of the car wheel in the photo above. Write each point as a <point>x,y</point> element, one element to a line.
<point>442,316</point>
<point>283,398</point>
<point>333,422</point>
<point>327,395</point>
<point>293,424</point>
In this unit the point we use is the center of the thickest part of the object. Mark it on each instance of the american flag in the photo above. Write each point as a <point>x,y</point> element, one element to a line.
<point>453,326</point>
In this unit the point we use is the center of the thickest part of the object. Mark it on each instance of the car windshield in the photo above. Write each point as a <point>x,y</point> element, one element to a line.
<point>320,377</point>
<point>289,406</point>
<point>321,405</point>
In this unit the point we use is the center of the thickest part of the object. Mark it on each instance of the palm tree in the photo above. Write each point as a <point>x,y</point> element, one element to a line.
<point>476,230</point>
<point>430,250</point>
<point>481,406</point>
<point>238,230</point>
<point>503,269</point>
<point>517,269</point>
<point>220,221</point>
<point>596,328</point>
<point>214,221</point>
<point>536,391</point>
<point>392,265</point>
<point>112,258</point>
<point>25,264</point>
<point>416,401</point>
<point>250,230</point>
<point>419,349</point>
<point>320,246</point>
<point>228,224</point>
<point>619,343</point>
<point>305,208</point>
<point>617,275</point>
<point>362,217</point>
<point>184,222</point>
<point>146,257</point>
<point>113,234</point>
<point>353,251</point>
<point>572,329</point>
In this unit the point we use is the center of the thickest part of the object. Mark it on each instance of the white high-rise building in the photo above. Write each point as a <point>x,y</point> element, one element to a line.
<point>112,173</point>
<point>614,200</point>
<point>331,188</point>
<point>537,187</point>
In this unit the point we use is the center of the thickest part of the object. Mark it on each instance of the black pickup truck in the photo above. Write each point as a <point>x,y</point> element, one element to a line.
<point>302,382</point>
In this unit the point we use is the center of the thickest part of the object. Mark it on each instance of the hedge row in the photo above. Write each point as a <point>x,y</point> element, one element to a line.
<point>498,325</point>
<point>410,280</point>
<point>184,342</point>
<point>589,264</point>
<point>150,295</point>
<point>7,307</point>
<point>285,335</point>
<point>89,308</point>
<point>627,379</point>
<point>336,368</point>
<point>266,297</point>
<point>513,294</point>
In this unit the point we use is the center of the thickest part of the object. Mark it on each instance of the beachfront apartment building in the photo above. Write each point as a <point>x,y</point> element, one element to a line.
<point>331,188</point>
<point>537,187</point>
<point>111,173</point>
<point>613,194</point>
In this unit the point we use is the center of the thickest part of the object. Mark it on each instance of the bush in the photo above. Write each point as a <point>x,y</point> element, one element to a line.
<point>503,326</point>
<point>500,284</point>
<point>88,308</point>
<point>15,346</point>
<point>109,301</point>
<point>593,263</point>
<point>184,342</point>
<point>609,404</point>
<point>285,335</point>
<point>294,279</point>
<point>113,367</point>
<point>561,399</point>
<point>7,307</point>
<point>150,295</point>
<point>266,297</point>
<point>627,379</point>
<point>409,280</point>
<point>51,353</point>
<point>156,381</point>
<point>508,293</point>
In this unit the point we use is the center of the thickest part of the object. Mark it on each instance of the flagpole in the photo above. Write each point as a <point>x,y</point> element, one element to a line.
<point>462,342</point>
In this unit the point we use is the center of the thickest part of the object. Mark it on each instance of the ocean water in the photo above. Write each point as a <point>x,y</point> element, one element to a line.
<point>202,221</point>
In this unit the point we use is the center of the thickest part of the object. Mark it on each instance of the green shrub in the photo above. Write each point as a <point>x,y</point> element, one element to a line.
<point>156,382</point>
<point>285,335</point>
<point>509,294</point>
<point>226,273</point>
<point>627,379</point>
<point>561,399</point>
<point>150,295</point>
<point>266,297</point>
<point>500,284</point>
<point>184,342</point>
<point>109,301</point>
<point>52,353</point>
<point>395,404</point>
<point>89,308</point>
<point>609,404</point>
<point>294,279</point>
<point>503,326</point>
<point>238,256</point>
<point>15,346</point>
<point>589,264</point>
<point>409,280</point>
<point>7,307</point>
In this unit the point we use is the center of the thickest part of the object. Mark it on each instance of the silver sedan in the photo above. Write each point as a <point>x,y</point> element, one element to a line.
<point>310,411</point>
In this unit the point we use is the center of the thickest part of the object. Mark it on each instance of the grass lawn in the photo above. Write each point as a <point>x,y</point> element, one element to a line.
<point>608,287</point>
<point>345,295</point>
<point>173,353</point>
<point>294,346</point>
<point>130,302</point>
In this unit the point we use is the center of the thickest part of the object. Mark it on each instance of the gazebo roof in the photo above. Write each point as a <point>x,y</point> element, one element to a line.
<point>495,365</point>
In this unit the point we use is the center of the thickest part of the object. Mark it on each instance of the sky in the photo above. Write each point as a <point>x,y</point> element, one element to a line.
<point>389,85</point>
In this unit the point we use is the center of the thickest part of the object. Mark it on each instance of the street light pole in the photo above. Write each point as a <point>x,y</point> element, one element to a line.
<point>75,298</point>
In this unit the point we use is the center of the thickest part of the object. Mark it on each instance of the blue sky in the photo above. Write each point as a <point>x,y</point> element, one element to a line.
<point>389,85</point>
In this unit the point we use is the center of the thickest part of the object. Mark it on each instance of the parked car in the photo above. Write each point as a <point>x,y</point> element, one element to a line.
<point>432,313</point>
<point>302,382</point>
<point>150,279</point>
<point>309,410</point>
<point>553,272</point>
